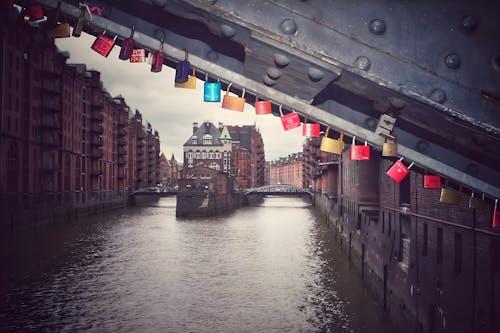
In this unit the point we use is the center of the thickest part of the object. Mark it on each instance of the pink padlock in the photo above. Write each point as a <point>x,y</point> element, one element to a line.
<point>103,44</point>
<point>290,120</point>
<point>310,129</point>
<point>359,152</point>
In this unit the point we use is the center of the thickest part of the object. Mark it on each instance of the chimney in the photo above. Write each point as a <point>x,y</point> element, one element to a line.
<point>195,127</point>
<point>221,126</point>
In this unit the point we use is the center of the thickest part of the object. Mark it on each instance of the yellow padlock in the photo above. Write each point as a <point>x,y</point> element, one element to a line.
<point>475,202</point>
<point>450,196</point>
<point>190,83</point>
<point>330,145</point>
<point>390,148</point>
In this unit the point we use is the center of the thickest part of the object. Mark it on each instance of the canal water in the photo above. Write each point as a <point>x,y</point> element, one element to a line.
<point>271,268</point>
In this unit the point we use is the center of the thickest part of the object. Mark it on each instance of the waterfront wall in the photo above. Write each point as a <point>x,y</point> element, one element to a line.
<point>434,267</point>
<point>200,203</point>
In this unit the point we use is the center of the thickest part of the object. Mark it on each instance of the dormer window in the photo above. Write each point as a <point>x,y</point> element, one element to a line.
<point>194,140</point>
<point>207,139</point>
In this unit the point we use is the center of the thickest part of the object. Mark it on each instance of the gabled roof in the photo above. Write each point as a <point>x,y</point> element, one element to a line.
<point>225,135</point>
<point>205,128</point>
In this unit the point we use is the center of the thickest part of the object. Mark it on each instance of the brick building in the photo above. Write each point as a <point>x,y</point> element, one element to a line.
<point>429,263</point>
<point>248,165</point>
<point>169,171</point>
<point>287,170</point>
<point>65,139</point>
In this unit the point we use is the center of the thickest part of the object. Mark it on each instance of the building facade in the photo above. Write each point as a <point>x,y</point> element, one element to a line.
<point>287,170</point>
<point>65,139</point>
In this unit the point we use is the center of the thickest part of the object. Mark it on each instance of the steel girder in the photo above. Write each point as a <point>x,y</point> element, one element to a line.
<point>434,66</point>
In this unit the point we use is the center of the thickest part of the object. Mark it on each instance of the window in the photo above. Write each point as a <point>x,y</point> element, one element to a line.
<point>204,155</point>
<point>211,155</point>
<point>197,154</point>
<point>217,154</point>
<point>214,166</point>
<point>190,155</point>
<point>425,244</point>
<point>194,140</point>
<point>457,267</point>
<point>439,248</point>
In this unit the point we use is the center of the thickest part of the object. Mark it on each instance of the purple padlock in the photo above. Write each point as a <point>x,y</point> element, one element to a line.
<point>127,46</point>
<point>183,69</point>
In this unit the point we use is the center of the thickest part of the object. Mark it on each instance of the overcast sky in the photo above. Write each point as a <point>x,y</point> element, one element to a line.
<point>172,111</point>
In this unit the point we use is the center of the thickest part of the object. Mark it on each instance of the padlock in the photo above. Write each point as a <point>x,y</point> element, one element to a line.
<point>310,129</point>
<point>359,153</point>
<point>450,196</point>
<point>157,59</point>
<point>330,145</point>
<point>390,148</point>
<point>127,46</point>
<point>35,13</point>
<point>6,4</point>
<point>60,31</point>
<point>398,171</point>
<point>211,90</point>
<point>233,102</point>
<point>262,107</point>
<point>138,55</point>
<point>190,83</point>
<point>475,202</point>
<point>432,181</point>
<point>77,30</point>
<point>183,69</point>
<point>290,120</point>
<point>496,216</point>
<point>103,44</point>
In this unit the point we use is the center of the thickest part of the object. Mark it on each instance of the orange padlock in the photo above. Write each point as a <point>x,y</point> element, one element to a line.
<point>234,103</point>
<point>262,107</point>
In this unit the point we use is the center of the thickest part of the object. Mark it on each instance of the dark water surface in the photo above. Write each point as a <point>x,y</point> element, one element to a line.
<point>272,268</point>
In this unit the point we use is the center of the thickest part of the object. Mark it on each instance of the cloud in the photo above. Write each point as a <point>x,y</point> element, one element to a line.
<point>172,111</point>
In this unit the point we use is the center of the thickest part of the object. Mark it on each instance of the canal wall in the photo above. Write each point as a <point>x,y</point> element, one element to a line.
<point>200,203</point>
<point>20,212</point>
<point>433,267</point>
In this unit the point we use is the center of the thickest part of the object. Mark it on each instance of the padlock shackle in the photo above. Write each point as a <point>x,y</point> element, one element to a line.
<point>132,30</point>
<point>327,130</point>
<point>411,164</point>
<point>341,138</point>
<point>243,94</point>
<point>186,54</point>
<point>161,44</point>
<point>228,88</point>
<point>353,140</point>
<point>496,205</point>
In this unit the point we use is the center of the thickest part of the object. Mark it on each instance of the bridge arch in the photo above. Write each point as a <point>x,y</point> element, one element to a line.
<point>285,189</point>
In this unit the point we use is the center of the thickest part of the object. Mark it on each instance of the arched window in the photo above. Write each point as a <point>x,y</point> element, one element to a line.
<point>197,154</point>
<point>204,154</point>
<point>217,154</point>
<point>211,155</point>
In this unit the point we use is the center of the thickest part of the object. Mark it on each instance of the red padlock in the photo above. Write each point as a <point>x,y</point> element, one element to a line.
<point>398,170</point>
<point>496,216</point>
<point>138,55</point>
<point>127,46</point>
<point>359,153</point>
<point>157,59</point>
<point>103,44</point>
<point>35,13</point>
<point>289,121</point>
<point>262,107</point>
<point>431,181</point>
<point>310,129</point>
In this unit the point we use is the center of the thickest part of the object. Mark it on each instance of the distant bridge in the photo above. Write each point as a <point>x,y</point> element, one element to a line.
<point>279,189</point>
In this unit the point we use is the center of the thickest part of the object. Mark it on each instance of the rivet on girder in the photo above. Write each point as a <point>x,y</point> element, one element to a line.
<point>268,81</point>
<point>211,2</point>
<point>377,26</point>
<point>281,60</point>
<point>469,23</point>
<point>288,26</point>
<point>227,31</point>
<point>363,63</point>
<point>438,96</point>
<point>452,61</point>
<point>423,146</point>
<point>212,56</point>
<point>315,74</point>
<point>397,103</point>
<point>495,62</point>
<point>371,123</point>
<point>472,169</point>
<point>274,73</point>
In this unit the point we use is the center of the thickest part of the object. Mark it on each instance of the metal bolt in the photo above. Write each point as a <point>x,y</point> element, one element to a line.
<point>227,31</point>
<point>371,123</point>
<point>268,81</point>
<point>288,26</point>
<point>423,146</point>
<point>397,103</point>
<point>212,56</point>
<point>438,96</point>
<point>363,63</point>
<point>452,61</point>
<point>281,60</point>
<point>377,26</point>
<point>315,74</point>
<point>469,23</point>
<point>273,73</point>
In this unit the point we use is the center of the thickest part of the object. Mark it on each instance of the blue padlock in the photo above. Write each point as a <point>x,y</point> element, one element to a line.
<point>183,69</point>
<point>211,91</point>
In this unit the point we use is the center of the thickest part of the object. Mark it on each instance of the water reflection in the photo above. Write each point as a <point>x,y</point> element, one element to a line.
<point>271,268</point>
